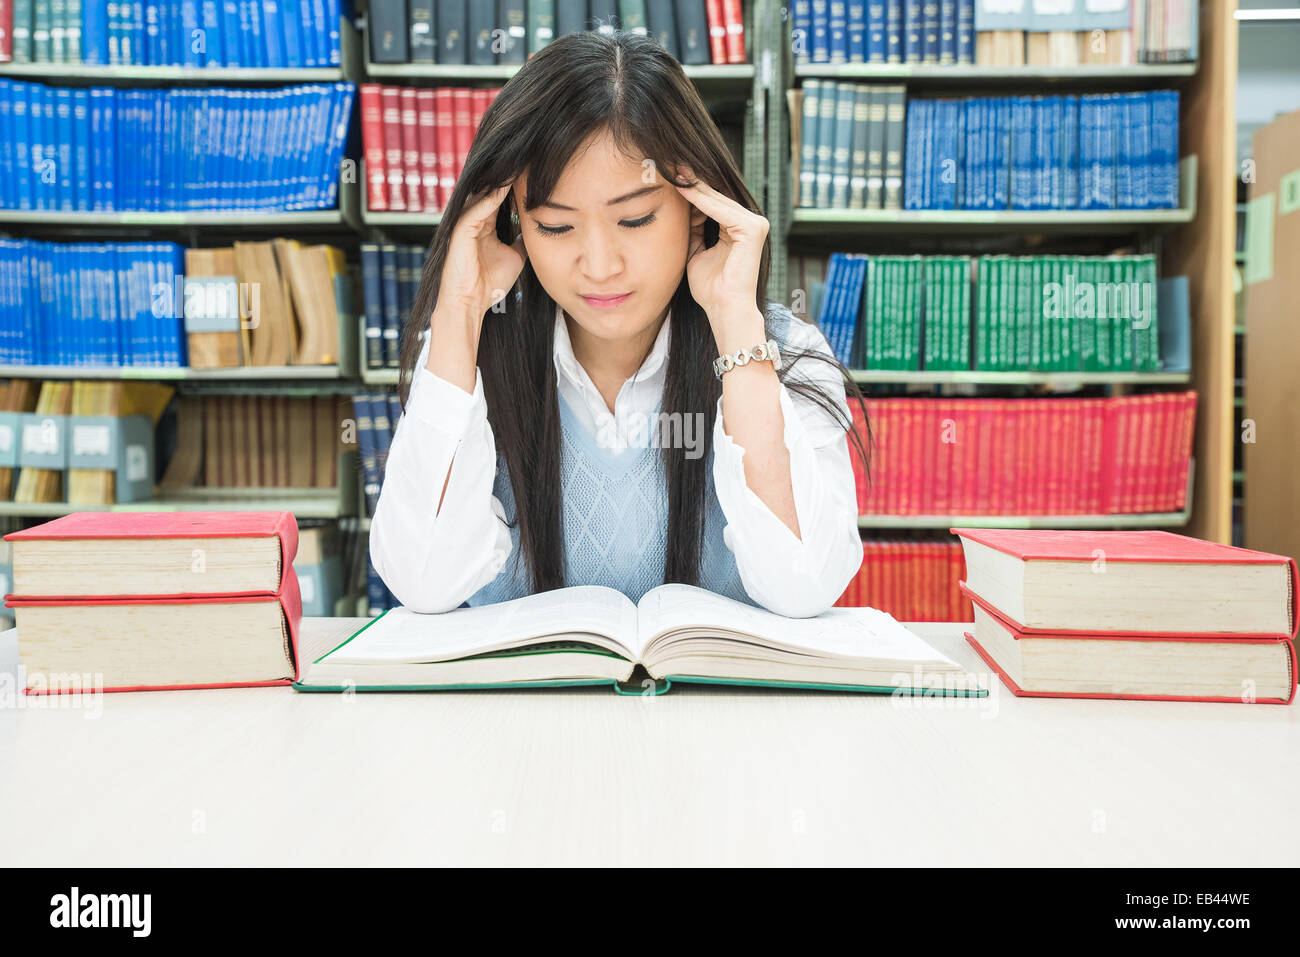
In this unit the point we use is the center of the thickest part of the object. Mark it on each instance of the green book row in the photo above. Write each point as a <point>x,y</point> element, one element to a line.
<point>1007,313</point>
<point>1067,314</point>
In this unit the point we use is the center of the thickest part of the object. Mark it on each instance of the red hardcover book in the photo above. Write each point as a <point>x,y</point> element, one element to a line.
<point>462,102</point>
<point>1184,452</point>
<point>6,31</point>
<point>717,31</point>
<point>1007,475</point>
<point>981,494</point>
<point>289,599</point>
<point>390,98</point>
<point>932,477</point>
<point>733,18</point>
<point>427,121</point>
<point>372,139</point>
<point>869,573</point>
<point>108,525</point>
<point>1170,410</point>
<point>446,117</point>
<point>1019,634</point>
<point>410,149</point>
<point>480,100</point>
<point>1148,547</point>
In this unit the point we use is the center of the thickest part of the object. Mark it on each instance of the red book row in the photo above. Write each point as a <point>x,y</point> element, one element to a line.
<point>1096,456</point>
<point>913,581</point>
<point>415,143</point>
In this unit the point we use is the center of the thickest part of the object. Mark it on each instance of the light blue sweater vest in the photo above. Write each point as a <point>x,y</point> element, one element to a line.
<point>615,515</point>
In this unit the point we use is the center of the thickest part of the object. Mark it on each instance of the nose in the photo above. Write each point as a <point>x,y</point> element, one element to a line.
<point>601,258</point>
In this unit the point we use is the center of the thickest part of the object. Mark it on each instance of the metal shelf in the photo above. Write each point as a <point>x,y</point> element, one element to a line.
<point>139,74</point>
<point>842,223</point>
<point>1147,520</point>
<point>975,377</point>
<point>969,75</point>
<point>171,373</point>
<point>303,503</point>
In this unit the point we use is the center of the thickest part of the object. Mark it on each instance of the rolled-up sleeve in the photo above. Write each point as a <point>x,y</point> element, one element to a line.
<point>787,574</point>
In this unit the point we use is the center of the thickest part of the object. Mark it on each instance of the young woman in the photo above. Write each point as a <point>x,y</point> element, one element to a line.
<point>563,420</point>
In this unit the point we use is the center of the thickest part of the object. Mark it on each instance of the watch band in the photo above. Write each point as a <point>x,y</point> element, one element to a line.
<point>764,351</point>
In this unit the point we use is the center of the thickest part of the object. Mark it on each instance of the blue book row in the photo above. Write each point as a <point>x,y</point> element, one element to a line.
<point>204,33</point>
<point>377,414</point>
<point>883,31</point>
<point>837,316</point>
<point>90,304</point>
<point>1093,152</point>
<point>101,149</point>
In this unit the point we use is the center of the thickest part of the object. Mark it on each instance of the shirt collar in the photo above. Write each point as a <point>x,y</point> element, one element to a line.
<point>567,363</point>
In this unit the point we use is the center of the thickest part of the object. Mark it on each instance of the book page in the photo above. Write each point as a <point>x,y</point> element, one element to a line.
<point>600,615</point>
<point>836,633</point>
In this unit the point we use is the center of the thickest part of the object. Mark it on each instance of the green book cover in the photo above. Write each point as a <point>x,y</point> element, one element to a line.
<point>961,299</point>
<point>58,30</point>
<point>1069,347</point>
<point>897,295</point>
<point>1061,330</point>
<point>42,25</point>
<point>929,314</point>
<point>983,283</point>
<point>1132,291</point>
<point>945,313</point>
<point>880,333</point>
<point>1087,337</point>
<point>541,24</point>
<point>874,316</point>
<point>1037,361</point>
<point>917,289</point>
<point>1006,315</point>
<point>1102,268</point>
<point>943,290</point>
<point>901,316</point>
<point>1021,310</point>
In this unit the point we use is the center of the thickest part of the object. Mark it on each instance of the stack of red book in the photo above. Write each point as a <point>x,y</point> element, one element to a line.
<point>415,143</point>
<point>145,601</point>
<point>986,456</point>
<point>1131,614</point>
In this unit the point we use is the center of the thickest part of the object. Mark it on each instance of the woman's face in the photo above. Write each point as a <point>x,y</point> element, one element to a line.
<point>610,244</point>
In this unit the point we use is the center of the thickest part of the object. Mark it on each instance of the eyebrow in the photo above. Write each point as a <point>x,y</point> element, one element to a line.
<point>613,202</point>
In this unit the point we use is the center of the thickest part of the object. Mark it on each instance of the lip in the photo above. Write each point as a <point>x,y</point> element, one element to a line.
<point>606,302</point>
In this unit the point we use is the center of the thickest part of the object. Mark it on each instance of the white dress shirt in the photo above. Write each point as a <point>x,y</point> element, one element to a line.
<point>433,560</point>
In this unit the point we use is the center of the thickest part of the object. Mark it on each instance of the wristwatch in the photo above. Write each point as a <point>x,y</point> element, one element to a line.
<point>764,351</point>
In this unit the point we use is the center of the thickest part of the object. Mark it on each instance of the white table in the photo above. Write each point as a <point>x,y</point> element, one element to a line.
<point>699,775</point>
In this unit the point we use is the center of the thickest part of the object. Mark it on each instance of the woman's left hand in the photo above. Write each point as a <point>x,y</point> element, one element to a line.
<point>724,278</point>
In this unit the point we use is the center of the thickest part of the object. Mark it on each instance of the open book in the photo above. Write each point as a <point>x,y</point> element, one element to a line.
<point>591,634</point>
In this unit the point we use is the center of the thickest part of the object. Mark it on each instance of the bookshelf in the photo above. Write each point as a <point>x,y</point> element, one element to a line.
<point>346,217</point>
<point>1195,239</point>
<point>976,377</point>
<point>964,78</point>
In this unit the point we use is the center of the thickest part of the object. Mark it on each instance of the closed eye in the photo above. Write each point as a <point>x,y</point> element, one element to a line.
<point>628,223</point>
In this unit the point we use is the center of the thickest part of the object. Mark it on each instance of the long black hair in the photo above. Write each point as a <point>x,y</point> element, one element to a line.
<point>579,85</point>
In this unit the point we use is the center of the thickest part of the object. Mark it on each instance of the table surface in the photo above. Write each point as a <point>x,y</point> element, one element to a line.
<point>271,776</point>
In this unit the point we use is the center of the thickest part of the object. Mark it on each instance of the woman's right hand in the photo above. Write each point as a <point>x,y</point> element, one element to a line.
<point>479,269</point>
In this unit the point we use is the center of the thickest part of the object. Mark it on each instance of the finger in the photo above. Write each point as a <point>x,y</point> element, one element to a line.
<point>722,208</point>
<point>486,205</point>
